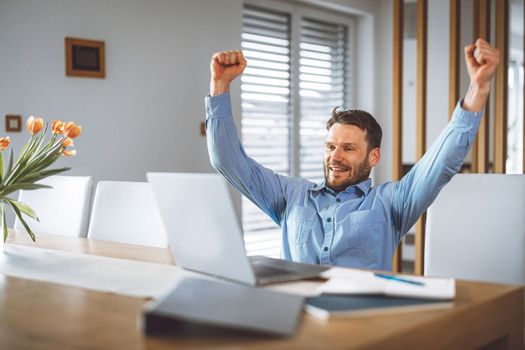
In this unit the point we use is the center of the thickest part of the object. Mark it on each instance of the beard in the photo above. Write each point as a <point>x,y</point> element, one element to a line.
<point>357,173</point>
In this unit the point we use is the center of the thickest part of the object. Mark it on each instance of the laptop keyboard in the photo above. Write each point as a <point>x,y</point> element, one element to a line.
<point>262,270</point>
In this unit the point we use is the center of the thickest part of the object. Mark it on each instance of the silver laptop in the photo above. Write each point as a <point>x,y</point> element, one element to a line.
<point>204,234</point>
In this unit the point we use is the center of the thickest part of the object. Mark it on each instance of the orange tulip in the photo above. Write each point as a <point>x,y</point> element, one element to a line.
<point>67,142</point>
<point>58,127</point>
<point>69,152</point>
<point>72,130</point>
<point>34,124</point>
<point>4,143</point>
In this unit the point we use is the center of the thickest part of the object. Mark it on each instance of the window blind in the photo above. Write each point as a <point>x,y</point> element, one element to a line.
<point>323,85</point>
<point>266,113</point>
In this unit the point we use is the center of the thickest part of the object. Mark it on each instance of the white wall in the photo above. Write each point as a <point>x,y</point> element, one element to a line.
<point>382,60</point>
<point>408,144</point>
<point>438,67</point>
<point>145,115</point>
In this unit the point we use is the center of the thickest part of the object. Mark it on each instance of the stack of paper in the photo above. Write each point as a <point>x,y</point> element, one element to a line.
<point>358,293</point>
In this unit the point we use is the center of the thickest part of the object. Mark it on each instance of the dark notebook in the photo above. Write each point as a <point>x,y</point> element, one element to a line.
<point>210,306</point>
<point>326,306</point>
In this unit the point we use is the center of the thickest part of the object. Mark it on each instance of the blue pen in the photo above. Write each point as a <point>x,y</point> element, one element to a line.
<point>398,279</point>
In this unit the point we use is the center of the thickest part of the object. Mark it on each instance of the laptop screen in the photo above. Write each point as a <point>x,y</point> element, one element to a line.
<point>201,224</point>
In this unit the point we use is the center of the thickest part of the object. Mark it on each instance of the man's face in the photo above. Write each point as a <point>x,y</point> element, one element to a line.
<point>347,160</point>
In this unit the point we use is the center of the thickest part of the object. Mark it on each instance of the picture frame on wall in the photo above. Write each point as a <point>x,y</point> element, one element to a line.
<point>13,123</point>
<point>85,58</point>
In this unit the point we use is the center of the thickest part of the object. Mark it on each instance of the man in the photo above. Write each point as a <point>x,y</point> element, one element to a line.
<point>343,220</point>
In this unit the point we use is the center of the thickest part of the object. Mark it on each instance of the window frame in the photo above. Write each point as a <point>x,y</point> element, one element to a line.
<point>296,13</point>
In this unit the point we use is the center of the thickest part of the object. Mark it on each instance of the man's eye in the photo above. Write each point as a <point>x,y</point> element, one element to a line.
<point>349,149</point>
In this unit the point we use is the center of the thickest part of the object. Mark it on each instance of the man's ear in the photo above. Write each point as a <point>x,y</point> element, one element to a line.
<point>374,156</point>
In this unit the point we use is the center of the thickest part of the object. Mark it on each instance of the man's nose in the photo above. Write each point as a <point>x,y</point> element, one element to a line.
<point>337,154</point>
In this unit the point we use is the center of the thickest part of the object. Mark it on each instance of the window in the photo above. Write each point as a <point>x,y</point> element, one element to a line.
<point>289,89</point>
<point>322,86</point>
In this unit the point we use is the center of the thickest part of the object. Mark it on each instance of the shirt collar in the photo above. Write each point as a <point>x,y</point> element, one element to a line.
<point>363,186</point>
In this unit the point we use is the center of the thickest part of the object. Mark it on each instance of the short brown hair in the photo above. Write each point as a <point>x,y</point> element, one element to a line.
<point>363,120</point>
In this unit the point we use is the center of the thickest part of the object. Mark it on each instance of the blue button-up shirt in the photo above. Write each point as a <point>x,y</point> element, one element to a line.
<point>359,227</point>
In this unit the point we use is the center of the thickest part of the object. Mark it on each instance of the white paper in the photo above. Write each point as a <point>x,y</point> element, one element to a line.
<point>126,277</point>
<point>434,288</point>
<point>349,281</point>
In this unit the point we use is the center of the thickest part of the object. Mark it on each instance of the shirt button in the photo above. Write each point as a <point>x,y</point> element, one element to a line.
<point>325,249</point>
<point>329,219</point>
<point>338,200</point>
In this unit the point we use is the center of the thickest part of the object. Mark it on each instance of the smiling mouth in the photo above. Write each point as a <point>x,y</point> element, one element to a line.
<point>338,169</point>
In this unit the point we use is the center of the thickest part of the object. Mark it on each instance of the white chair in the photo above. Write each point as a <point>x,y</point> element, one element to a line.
<point>126,212</point>
<point>63,209</point>
<point>476,229</point>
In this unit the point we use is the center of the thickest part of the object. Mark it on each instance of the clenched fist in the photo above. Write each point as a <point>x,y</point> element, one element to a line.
<point>482,60</point>
<point>225,66</point>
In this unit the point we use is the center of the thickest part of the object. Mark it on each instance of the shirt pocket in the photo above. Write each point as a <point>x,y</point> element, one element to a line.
<point>368,216</point>
<point>299,223</point>
<point>363,231</point>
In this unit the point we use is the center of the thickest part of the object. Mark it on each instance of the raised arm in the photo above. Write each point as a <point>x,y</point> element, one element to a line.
<point>261,185</point>
<point>414,193</point>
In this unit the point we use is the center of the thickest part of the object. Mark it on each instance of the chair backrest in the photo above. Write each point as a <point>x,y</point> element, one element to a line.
<point>63,209</point>
<point>126,212</point>
<point>476,229</point>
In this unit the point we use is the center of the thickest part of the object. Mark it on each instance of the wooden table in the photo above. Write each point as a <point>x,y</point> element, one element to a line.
<point>39,315</point>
